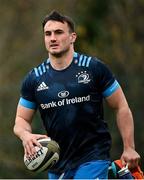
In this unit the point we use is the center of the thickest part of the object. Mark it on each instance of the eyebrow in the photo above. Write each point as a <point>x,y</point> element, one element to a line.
<point>56,30</point>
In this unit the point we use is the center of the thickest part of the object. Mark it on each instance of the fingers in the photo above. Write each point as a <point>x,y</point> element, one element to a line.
<point>133,162</point>
<point>124,163</point>
<point>131,158</point>
<point>39,136</point>
<point>29,148</point>
<point>30,142</point>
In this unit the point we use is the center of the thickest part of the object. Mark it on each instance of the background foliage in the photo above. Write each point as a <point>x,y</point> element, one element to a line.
<point>112,30</point>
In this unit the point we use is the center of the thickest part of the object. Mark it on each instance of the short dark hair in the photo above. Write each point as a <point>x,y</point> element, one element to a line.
<point>55,16</point>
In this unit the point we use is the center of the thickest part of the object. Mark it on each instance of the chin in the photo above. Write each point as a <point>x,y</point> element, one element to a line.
<point>58,53</point>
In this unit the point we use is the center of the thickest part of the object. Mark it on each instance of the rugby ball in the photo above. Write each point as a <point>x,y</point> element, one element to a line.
<point>45,157</point>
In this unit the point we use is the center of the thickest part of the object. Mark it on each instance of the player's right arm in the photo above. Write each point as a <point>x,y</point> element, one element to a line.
<point>26,109</point>
<point>23,129</point>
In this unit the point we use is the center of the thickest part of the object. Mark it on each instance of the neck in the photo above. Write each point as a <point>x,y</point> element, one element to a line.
<point>63,61</point>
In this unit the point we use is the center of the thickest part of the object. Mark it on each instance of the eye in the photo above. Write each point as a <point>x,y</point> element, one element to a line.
<point>47,33</point>
<point>59,31</point>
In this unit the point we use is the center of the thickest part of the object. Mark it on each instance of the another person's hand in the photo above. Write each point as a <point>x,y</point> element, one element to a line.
<point>130,157</point>
<point>29,142</point>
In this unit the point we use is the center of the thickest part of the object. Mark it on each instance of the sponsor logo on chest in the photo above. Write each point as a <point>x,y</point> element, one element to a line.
<point>65,101</point>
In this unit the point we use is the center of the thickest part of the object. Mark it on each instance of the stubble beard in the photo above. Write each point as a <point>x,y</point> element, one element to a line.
<point>59,54</point>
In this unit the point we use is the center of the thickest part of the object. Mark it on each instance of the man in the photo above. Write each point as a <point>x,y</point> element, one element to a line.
<point>68,89</point>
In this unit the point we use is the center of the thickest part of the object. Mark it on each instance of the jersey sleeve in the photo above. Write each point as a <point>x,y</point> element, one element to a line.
<point>106,80</point>
<point>27,98</point>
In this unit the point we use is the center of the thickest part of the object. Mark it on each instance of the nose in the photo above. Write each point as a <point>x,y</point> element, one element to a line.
<point>53,37</point>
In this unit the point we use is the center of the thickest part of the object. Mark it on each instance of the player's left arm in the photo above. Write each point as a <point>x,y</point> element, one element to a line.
<point>125,125</point>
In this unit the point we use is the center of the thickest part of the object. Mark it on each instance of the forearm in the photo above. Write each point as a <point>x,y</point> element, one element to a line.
<point>21,127</point>
<point>23,121</point>
<point>126,126</point>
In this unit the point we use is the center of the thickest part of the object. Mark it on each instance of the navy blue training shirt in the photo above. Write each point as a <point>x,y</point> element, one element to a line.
<point>70,102</point>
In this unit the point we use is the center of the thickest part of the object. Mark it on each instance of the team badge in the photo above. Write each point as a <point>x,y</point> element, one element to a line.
<point>83,77</point>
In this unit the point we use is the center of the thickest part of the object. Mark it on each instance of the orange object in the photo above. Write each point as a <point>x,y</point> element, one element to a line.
<point>136,172</point>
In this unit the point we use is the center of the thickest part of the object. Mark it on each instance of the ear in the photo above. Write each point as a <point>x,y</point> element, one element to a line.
<point>73,37</point>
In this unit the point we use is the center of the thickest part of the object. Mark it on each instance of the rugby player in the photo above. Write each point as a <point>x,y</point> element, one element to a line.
<point>68,89</point>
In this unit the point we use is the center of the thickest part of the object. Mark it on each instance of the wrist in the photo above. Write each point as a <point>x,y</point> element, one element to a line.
<point>24,133</point>
<point>129,147</point>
